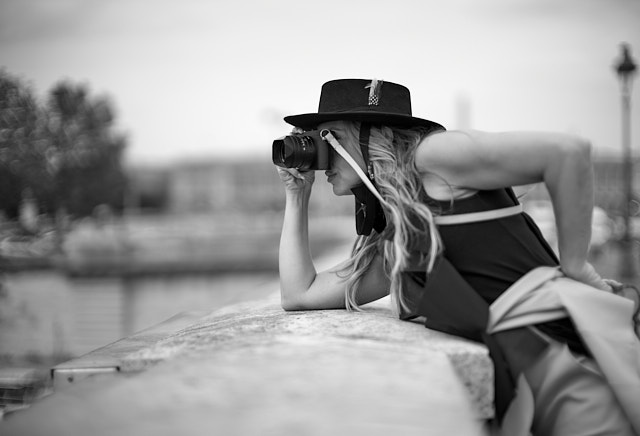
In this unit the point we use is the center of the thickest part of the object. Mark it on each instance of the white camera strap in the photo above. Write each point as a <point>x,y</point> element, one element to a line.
<point>328,136</point>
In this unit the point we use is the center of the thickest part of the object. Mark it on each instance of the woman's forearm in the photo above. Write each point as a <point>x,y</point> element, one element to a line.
<point>297,271</point>
<point>570,185</point>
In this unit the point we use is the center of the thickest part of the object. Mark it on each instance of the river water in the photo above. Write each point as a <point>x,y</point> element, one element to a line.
<point>103,293</point>
<point>46,312</point>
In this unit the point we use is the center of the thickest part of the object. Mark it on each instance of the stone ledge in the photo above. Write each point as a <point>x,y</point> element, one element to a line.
<point>258,322</point>
<point>252,368</point>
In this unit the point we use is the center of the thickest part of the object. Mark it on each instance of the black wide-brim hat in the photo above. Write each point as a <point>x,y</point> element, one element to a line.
<point>373,101</point>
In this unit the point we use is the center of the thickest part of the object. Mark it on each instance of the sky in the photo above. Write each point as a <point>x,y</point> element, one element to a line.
<point>212,79</point>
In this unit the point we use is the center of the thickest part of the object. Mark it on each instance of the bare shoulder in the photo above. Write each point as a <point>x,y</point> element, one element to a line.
<point>441,149</point>
<point>487,160</point>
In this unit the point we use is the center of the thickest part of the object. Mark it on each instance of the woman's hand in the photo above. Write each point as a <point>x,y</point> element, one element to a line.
<point>587,274</point>
<point>297,181</point>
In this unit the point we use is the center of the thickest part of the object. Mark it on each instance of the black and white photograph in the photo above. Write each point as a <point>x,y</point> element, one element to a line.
<point>319,218</point>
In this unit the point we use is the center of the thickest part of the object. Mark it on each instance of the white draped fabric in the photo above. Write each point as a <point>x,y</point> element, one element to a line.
<point>566,394</point>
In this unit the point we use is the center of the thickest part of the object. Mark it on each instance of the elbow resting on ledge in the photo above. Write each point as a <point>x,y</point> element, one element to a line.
<point>291,304</point>
<point>288,306</point>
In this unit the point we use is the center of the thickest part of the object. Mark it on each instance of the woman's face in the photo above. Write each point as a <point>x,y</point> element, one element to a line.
<point>341,175</point>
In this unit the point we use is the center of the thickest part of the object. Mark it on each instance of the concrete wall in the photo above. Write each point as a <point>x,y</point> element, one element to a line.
<point>253,369</point>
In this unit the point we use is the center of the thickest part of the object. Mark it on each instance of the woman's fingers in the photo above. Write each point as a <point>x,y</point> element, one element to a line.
<point>295,173</point>
<point>294,178</point>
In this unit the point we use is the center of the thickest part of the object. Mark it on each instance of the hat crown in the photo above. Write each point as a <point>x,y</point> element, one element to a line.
<point>359,95</point>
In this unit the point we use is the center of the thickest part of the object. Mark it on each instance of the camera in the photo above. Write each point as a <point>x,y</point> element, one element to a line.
<point>303,151</point>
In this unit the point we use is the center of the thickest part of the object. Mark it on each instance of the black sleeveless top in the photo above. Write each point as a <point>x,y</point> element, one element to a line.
<point>480,261</point>
<point>492,255</point>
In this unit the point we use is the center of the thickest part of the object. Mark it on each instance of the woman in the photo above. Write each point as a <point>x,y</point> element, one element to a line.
<point>439,226</point>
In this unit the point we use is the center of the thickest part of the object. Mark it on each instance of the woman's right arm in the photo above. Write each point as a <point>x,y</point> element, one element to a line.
<point>301,287</point>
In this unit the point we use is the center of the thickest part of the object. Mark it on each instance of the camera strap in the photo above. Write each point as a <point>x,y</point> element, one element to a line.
<point>369,213</point>
<point>328,136</point>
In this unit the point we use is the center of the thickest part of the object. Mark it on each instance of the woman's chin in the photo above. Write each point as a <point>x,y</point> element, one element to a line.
<point>340,190</point>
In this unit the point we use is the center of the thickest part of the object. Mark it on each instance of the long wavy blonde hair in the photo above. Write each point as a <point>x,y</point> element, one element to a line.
<point>409,218</point>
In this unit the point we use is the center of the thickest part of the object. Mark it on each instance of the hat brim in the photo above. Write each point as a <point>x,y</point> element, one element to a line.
<point>312,120</point>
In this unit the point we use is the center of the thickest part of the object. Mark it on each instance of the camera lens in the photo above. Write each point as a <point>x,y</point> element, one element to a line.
<point>294,151</point>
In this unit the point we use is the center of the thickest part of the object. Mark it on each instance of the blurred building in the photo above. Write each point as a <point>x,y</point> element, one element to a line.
<point>223,186</point>
<point>254,186</point>
<point>210,186</point>
<point>609,183</point>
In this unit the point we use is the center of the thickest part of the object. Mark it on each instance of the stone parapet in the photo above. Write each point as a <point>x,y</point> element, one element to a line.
<point>258,322</point>
<point>253,368</point>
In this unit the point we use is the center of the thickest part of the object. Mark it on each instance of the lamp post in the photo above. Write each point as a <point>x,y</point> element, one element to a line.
<point>626,69</point>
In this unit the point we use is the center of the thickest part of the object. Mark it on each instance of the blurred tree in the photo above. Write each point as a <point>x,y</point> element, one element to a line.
<point>85,155</point>
<point>65,153</point>
<point>23,143</point>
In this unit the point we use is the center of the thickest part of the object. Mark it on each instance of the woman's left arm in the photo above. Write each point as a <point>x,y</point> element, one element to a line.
<point>481,160</point>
